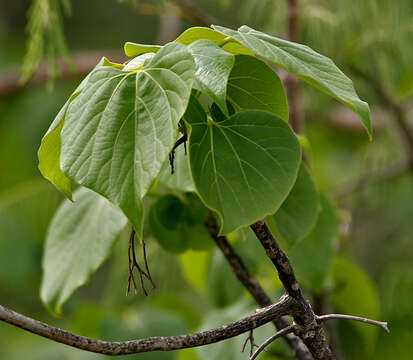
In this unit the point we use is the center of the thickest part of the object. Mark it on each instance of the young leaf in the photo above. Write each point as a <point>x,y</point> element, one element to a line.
<point>197,33</point>
<point>243,167</point>
<point>253,85</point>
<point>312,257</point>
<point>138,61</point>
<point>213,66</point>
<point>120,129</point>
<point>134,49</point>
<point>308,65</point>
<point>299,212</point>
<point>80,238</point>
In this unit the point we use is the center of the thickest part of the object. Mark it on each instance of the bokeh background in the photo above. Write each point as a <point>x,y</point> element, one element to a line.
<point>370,183</point>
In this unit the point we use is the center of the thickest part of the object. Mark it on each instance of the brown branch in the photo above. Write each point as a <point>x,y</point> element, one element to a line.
<point>293,328</point>
<point>284,306</point>
<point>308,329</point>
<point>282,332</point>
<point>192,13</point>
<point>253,286</point>
<point>381,324</point>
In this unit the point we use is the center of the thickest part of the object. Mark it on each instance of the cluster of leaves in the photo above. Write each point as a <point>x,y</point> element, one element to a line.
<point>115,133</point>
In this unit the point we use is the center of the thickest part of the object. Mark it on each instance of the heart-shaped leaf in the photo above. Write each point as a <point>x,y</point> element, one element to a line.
<point>304,62</point>
<point>80,238</point>
<point>120,129</point>
<point>243,167</point>
<point>253,85</point>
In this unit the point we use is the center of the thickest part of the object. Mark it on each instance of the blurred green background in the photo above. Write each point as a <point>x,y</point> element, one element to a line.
<point>370,183</point>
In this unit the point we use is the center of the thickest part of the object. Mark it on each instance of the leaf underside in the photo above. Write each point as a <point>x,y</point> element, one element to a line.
<point>120,129</point>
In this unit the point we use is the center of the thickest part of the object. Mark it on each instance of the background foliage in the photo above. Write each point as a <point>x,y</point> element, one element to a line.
<point>364,270</point>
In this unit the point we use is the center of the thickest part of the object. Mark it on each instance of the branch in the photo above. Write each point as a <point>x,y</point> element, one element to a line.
<point>381,324</point>
<point>284,306</point>
<point>308,329</point>
<point>293,328</point>
<point>282,332</point>
<point>253,286</point>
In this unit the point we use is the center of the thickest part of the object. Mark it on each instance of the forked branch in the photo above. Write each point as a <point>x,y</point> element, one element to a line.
<point>286,305</point>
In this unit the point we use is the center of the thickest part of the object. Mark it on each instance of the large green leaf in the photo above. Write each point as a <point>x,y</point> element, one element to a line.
<point>299,212</point>
<point>243,167</point>
<point>312,257</point>
<point>120,129</point>
<point>80,238</point>
<point>49,151</point>
<point>253,85</point>
<point>213,66</point>
<point>304,62</point>
<point>197,33</point>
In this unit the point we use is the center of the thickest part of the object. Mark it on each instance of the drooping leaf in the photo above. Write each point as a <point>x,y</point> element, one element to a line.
<point>80,238</point>
<point>120,129</point>
<point>197,33</point>
<point>243,167</point>
<point>253,85</point>
<point>134,49</point>
<point>213,66</point>
<point>308,65</point>
<point>299,212</point>
<point>312,256</point>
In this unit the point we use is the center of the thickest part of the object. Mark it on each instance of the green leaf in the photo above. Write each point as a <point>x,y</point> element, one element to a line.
<point>197,33</point>
<point>178,226</point>
<point>312,257</point>
<point>134,49</point>
<point>299,212</point>
<point>305,63</point>
<point>253,85</point>
<point>120,129</point>
<point>181,179</point>
<point>138,61</point>
<point>348,276</point>
<point>213,66</point>
<point>243,167</point>
<point>80,238</point>
<point>49,151</point>
<point>165,219</point>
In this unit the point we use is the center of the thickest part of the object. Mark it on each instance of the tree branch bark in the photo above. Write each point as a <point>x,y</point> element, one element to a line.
<point>252,285</point>
<point>308,329</point>
<point>286,305</point>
